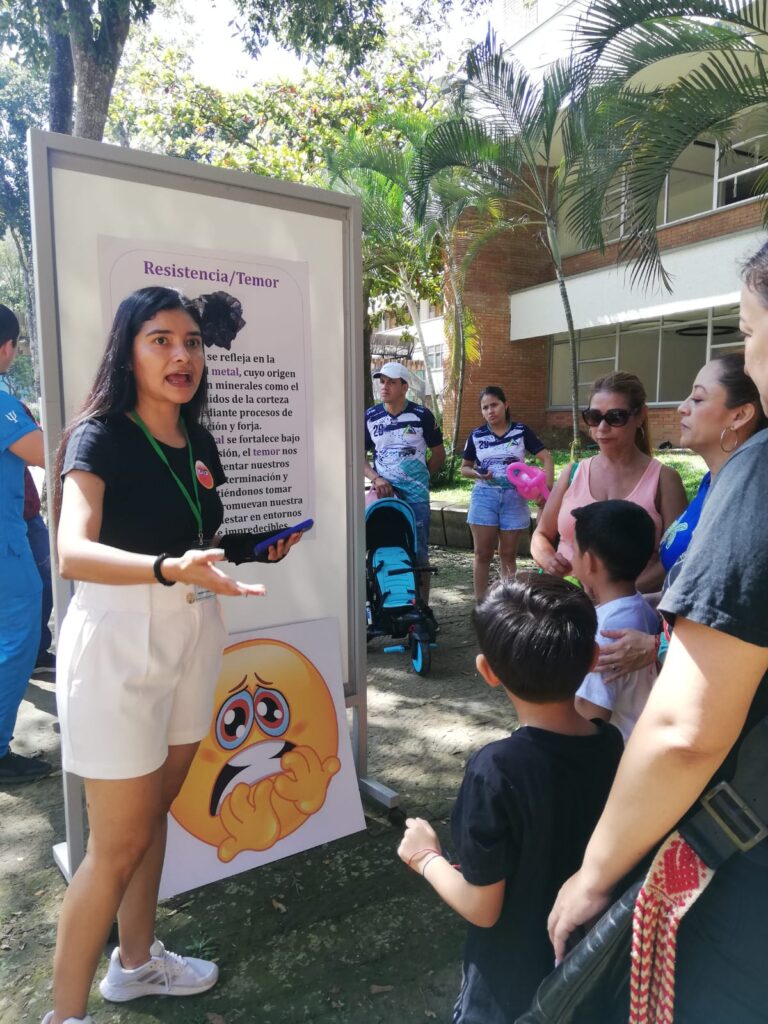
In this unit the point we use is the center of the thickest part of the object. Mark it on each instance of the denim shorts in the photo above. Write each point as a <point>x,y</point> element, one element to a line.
<point>421,513</point>
<point>498,506</point>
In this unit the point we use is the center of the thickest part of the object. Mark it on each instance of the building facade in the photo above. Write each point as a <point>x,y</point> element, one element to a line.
<point>709,221</point>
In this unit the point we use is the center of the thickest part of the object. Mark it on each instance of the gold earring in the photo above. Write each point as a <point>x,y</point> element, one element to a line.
<point>722,438</point>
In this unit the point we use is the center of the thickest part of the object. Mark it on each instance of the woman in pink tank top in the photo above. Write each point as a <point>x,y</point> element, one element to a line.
<point>617,418</point>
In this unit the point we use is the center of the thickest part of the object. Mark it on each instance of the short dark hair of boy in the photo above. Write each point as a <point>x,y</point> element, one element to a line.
<point>620,533</point>
<point>9,326</point>
<point>538,634</point>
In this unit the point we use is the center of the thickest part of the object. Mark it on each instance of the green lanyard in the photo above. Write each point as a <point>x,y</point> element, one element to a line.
<point>197,508</point>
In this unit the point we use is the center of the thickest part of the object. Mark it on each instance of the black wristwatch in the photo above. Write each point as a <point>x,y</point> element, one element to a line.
<point>157,570</point>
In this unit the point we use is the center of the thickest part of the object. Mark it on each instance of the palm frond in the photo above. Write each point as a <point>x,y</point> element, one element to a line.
<point>634,33</point>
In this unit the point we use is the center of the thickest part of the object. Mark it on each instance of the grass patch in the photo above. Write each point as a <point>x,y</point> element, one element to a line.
<point>691,468</point>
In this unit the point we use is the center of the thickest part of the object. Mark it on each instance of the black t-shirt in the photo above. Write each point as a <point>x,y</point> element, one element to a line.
<point>723,584</point>
<point>144,510</point>
<point>525,812</point>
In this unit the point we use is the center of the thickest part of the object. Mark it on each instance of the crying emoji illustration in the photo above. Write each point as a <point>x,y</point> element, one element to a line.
<point>265,766</point>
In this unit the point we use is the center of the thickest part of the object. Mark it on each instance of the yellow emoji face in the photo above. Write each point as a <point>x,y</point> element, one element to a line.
<point>267,762</point>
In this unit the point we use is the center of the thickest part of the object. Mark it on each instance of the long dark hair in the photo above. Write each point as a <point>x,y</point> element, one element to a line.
<point>114,389</point>
<point>739,388</point>
<point>494,392</point>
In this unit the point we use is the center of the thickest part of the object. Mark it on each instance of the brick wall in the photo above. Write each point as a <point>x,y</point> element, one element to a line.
<point>664,424</point>
<point>697,229</point>
<point>508,263</point>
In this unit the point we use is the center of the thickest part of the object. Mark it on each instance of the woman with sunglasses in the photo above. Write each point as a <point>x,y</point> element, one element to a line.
<point>617,418</point>
<point>140,645</point>
<point>497,513</point>
<point>712,690</point>
<point>722,411</point>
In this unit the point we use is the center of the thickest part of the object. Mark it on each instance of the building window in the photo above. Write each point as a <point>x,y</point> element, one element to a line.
<point>666,354</point>
<point>435,357</point>
<point>705,177</point>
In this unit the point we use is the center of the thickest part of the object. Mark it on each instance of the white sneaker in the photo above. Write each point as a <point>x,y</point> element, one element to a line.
<point>165,974</point>
<point>87,1019</point>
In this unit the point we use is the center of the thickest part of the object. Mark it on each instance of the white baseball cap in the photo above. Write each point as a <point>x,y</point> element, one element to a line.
<point>393,370</point>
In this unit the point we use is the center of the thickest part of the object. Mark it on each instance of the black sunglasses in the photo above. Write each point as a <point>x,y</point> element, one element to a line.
<point>613,417</point>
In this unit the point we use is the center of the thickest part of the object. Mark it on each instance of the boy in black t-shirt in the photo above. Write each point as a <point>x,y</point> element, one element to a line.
<point>528,803</point>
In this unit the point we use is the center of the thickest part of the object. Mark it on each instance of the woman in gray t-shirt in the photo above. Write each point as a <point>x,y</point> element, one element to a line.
<point>712,689</point>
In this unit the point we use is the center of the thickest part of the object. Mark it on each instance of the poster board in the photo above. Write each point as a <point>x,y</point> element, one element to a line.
<point>235,812</point>
<point>258,354</point>
<point>88,196</point>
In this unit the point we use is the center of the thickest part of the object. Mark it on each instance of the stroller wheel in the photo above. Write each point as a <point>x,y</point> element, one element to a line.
<point>421,654</point>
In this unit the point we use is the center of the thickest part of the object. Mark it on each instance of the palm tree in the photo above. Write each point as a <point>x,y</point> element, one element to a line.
<point>450,197</point>
<point>639,130</point>
<point>395,252</point>
<point>406,252</point>
<point>511,135</point>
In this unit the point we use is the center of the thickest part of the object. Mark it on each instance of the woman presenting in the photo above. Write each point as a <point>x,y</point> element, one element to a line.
<point>497,513</point>
<point>140,646</point>
<point>712,688</point>
<point>617,418</point>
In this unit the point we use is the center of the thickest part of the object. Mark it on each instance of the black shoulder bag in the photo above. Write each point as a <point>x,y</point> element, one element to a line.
<point>592,981</point>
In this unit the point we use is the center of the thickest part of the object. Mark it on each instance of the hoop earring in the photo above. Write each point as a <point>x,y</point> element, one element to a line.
<point>722,438</point>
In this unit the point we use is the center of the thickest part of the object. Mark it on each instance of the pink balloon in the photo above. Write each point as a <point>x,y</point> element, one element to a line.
<point>530,481</point>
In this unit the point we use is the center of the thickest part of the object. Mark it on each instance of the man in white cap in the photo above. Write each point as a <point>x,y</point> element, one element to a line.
<point>400,433</point>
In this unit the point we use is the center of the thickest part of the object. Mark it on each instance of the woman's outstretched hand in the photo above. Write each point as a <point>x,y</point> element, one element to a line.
<point>630,650</point>
<point>198,567</point>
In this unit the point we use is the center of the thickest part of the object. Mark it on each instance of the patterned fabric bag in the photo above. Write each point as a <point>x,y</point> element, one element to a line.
<point>628,958</point>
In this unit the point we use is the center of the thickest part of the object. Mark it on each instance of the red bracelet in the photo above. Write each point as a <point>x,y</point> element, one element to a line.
<point>420,853</point>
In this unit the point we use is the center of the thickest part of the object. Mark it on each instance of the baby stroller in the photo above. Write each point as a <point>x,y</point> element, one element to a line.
<point>394,607</point>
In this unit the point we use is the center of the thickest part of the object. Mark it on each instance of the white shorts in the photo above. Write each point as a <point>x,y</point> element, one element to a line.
<point>136,671</point>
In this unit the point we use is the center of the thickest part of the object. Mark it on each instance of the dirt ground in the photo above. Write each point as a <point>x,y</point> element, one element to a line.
<point>344,933</point>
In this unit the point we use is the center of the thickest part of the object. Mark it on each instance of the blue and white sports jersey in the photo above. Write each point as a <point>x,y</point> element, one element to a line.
<point>400,446</point>
<point>493,454</point>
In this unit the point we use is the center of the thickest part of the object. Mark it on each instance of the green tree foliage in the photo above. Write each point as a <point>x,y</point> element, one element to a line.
<point>401,260</point>
<point>22,105</point>
<point>355,28</point>
<point>78,44</point>
<point>278,128</point>
<point>12,292</point>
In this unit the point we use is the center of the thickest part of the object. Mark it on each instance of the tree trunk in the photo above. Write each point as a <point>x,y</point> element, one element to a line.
<point>96,60</point>
<point>29,302</point>
<point>554,248</point>
<point>367,332</point>
<point>61,74</point>
<point>413,311</point>
<point>94,89</point>
<point>576,442</point>
<point>457,372</point>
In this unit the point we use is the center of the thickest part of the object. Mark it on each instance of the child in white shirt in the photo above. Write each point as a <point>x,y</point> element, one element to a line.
<point>613,543</point>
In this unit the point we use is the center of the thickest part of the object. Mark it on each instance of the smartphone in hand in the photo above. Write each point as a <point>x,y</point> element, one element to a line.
<point>266,540</point>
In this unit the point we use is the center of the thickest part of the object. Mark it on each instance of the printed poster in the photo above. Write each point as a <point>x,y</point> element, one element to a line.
<point>275,774</point>
<point>255,313</point>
